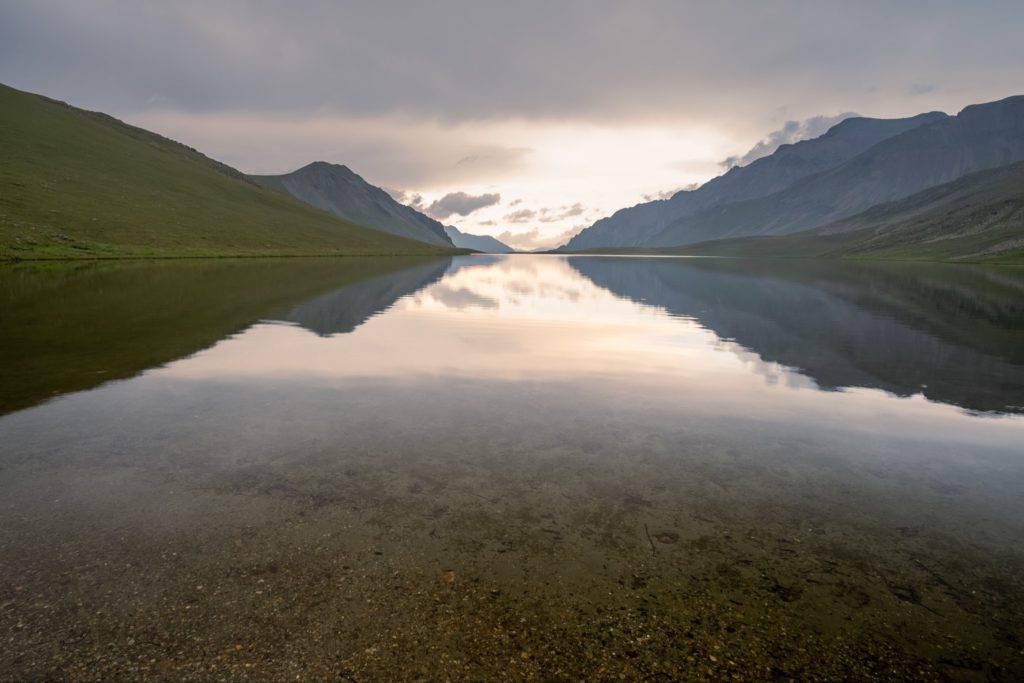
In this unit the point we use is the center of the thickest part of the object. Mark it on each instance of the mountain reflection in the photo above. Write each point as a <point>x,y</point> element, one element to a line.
<point>344,309</point>
<point>755,333</point>
<point>951,333</point>
<point>73,326</point>
<point>704,334</point>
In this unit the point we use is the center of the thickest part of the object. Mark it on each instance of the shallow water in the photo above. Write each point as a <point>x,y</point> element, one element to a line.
<point>512,467</point>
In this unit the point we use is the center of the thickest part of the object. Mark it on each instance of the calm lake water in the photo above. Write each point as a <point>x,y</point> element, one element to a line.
<point>521,467</point>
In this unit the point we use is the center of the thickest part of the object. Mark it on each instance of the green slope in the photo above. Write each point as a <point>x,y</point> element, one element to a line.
<point>979,218</point>
<point>78,184</point>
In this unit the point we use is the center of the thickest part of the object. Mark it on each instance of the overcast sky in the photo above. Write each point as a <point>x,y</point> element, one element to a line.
<point>523,119</point>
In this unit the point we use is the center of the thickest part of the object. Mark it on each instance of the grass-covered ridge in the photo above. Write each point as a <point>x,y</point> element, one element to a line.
<point>79,184</point>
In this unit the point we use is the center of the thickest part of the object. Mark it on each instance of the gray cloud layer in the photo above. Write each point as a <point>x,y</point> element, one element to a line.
<point>593,59</point>
<point>453,203</point>
<point>459,203</point>
<point>667,194</point>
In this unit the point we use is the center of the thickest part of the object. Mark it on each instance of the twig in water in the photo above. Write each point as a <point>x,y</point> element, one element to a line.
<point>654,551</point>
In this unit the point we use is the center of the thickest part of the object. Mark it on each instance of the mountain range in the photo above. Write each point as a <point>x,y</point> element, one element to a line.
<point>859,164</point>
<point>483,243</point>
<point>790,163</point>
<point>979,216</point>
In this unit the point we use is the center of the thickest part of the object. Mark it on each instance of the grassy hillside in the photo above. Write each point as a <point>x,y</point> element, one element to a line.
<point>78,184</point>
<point>978,218</point>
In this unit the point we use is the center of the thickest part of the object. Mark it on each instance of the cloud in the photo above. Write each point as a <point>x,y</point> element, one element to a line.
<point>460,203</point>
<point>659,196</point>
<point>520,216</point>
<point>395,152</point>
<point>453,203</point>
<point>461,298</point>
<point>494,156</point>
<point>791,131</point>
<point>397,195</point>
<point>561,213</point>
<point>536,240</point>
<point>668,194</point>
<point>408,198</point>
<point>920,88</point>
<point>545,215</point>
<point>454,61</point>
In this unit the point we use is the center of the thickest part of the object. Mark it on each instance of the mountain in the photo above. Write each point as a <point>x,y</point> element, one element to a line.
<point>80,184</point>
<point>339,190</point>
<point>484,243</point>
<point>980,137</point>
<point>978,217</point>
<point>788,164</point>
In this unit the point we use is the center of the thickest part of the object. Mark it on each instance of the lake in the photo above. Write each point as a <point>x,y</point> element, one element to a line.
<point>524,467</point>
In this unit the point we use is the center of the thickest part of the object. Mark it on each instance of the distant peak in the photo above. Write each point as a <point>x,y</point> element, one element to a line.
<point>326,166</point>
<point>855,122</point>
<point>1013,101</point>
